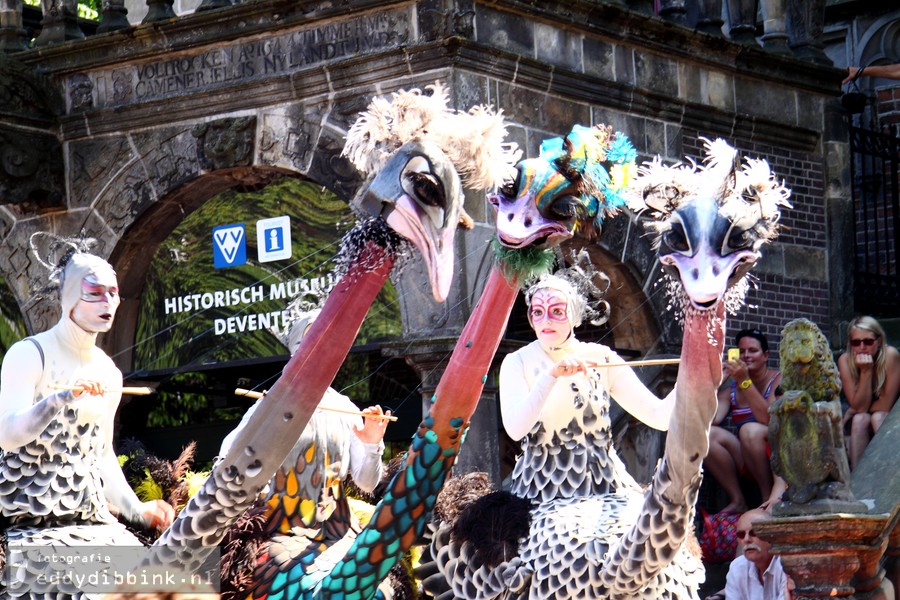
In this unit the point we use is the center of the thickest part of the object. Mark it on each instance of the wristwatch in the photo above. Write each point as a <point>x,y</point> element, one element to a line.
<point>745,383</point>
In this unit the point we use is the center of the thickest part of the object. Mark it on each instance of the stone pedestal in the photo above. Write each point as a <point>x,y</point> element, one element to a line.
<point>114,16</point>
<point>673,10</point>
<point>828,556</point>
<point>775,36</point>
<point>710,18</point>
<point>805,23</point>
<point>213,4</point>
<point>742,21</point>
<point>12,34</point>
<point>159,10</point>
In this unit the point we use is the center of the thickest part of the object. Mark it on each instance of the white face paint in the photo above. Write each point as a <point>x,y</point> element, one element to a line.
<point>95,310</point>
<point>549,317</point>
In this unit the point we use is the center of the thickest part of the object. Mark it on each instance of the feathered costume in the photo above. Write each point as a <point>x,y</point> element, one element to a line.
<point>58,470</point>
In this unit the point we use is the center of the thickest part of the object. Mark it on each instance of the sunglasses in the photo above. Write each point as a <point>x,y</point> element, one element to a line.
<point>863,342</point>
<point>745,534</point>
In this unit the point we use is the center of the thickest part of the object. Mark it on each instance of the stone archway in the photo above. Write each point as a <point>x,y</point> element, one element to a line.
<point>136,248</point>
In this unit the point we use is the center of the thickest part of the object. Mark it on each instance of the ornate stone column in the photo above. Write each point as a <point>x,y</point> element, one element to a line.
<point>775,37</point>
<point>673,10</point>
<point>114,12</point>
<point>159,10</point>
<point>12,34</point>
<point>742,21</point>
<point>710,18</point>
<point>60,22</point>
<point>805,23</point>
<point>212,4</point>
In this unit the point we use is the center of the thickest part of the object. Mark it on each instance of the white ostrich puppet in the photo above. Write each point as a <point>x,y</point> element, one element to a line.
<point>575,524</point>
<point>418,154</point>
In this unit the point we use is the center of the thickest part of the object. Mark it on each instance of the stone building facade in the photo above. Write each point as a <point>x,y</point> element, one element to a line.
<point>126,132</point>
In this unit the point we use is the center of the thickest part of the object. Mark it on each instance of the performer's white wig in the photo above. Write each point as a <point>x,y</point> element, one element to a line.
<point>582,285</point>
<point>68,261</point>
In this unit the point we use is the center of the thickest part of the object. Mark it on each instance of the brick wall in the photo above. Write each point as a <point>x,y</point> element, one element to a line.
<point>888,100</point>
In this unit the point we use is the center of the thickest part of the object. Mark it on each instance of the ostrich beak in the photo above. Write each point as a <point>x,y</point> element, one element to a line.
<point>419,195</point>
<point>520,222</point>
<point>521,225</point>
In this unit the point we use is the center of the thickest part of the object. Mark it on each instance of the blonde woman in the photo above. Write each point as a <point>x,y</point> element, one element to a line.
<point>870,377</point>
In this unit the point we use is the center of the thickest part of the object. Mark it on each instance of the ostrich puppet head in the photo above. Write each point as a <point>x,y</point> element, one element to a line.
<point>568,189</point>
<point>709,222</point>
<point>420,154</point>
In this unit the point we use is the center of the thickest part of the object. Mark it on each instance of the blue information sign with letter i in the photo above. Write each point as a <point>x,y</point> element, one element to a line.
<point>273,238</point>
<point>229,246</point>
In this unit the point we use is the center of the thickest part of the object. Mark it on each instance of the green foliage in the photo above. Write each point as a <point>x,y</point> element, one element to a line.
<point>89,9</point>
<point>12,326</point>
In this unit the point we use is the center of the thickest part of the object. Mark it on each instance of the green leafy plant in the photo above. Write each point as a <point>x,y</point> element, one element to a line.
<point>89,9</point>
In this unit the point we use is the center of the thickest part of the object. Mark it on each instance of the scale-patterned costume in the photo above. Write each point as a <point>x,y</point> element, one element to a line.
<point>584,499</point>
<point>58,471</point>
<point>308,520</point>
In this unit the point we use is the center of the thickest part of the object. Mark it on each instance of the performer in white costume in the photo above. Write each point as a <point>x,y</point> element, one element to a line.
<point>541,394</point>
<point>60,480</point>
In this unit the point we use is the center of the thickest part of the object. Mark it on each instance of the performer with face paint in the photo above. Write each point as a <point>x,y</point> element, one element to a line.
<point>551,394</point>
<point>308,522</point>
<point>58,397</point>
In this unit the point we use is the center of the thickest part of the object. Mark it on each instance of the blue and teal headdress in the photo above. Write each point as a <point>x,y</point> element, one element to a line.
<point>598,162</point>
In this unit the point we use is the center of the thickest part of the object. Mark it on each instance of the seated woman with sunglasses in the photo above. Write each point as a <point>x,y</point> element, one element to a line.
<point>870,377</point>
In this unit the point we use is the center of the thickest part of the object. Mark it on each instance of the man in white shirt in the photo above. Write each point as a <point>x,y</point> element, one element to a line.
<point>756,574</point>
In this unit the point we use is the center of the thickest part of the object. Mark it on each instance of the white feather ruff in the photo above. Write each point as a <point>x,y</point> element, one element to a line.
<point>747,194</point>
<point>473,140</point>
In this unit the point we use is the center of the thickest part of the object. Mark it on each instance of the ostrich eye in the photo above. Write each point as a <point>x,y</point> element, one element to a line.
<point>565,206</point>
<point>737,239</point>
<point>662,197</point>
<point>676,238</point>
<point>750,195</point>
<point>509,189</point>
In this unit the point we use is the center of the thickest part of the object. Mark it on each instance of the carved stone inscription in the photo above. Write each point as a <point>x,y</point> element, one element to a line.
<point>250,60</point>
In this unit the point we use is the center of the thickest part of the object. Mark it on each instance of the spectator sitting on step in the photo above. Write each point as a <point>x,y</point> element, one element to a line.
<point>870,378</point>
<point>747,399</point>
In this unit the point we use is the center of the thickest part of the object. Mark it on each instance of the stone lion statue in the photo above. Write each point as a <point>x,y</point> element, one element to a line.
<point>807,362</point>
<point>805,426</point>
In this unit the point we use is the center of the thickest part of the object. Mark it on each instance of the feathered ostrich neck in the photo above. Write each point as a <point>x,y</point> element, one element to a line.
<point>699,374</point>
<point>401,517</point>
<point>355,256</point>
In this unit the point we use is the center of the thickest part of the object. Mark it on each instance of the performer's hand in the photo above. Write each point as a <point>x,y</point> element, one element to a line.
<point>572,365</point>
<point>158,514</point>
<point>91,388</point>
<point>372,429</point>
